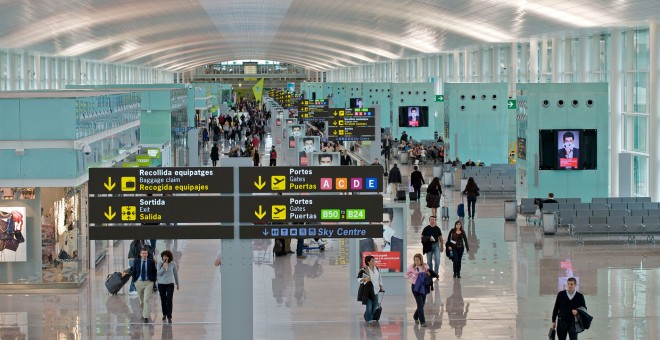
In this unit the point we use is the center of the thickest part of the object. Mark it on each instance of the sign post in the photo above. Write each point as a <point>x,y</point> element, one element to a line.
<point>143,215</point>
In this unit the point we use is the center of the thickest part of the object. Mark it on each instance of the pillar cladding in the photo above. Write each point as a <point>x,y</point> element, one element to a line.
<point>654,110</point>
<point>237,279</point>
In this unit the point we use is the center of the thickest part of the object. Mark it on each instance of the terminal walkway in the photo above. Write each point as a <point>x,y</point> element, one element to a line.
<point>508,287</point>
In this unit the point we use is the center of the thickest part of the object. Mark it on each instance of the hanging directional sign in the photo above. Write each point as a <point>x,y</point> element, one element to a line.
<point>311,179</point>
<point>312,231</point>
<point>152,209</point>
<point>313,109</point>
<point>160,180</point>
<point>352,124</point>
<point>511,104</point>
<point>312,208</point>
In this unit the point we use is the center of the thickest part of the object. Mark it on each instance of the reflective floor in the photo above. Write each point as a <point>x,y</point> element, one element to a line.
<point>508,287</point>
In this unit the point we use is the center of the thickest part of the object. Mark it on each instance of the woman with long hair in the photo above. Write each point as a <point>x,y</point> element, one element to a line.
<point>416,268</point>
<point>433,193</point>
<point>456,243</point>
<point>471,191</point>
<point>167,276</point>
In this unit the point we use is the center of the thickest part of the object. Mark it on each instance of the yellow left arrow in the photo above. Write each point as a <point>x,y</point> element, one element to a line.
<point>109,214</point>
<point>109,185</point>
<point>261,213</point>
<point>259,184</point>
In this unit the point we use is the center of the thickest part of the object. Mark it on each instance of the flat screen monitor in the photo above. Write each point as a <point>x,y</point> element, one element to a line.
<point>568,149</point>
<point>355,103</point>
<point>413,116</point>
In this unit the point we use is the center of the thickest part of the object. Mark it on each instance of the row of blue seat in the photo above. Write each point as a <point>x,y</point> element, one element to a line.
<point>630,226</point>
<point>601,205</point>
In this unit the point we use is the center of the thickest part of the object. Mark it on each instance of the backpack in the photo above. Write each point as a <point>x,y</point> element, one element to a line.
<point>273,155</point>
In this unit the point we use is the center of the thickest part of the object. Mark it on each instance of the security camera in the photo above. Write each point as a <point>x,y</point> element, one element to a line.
<point>87,150</point>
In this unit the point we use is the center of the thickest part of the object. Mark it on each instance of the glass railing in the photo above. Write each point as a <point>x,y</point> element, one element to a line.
<point>104,112</point>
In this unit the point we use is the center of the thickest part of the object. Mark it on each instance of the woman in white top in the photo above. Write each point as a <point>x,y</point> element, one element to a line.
<point>167,277</point>
<point>372,275</point>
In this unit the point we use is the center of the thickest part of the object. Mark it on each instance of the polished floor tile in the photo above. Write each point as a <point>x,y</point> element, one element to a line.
<point>510,280</point>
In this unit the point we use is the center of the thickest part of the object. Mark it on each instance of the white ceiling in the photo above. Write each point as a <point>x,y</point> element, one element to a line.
<point>182,34</point>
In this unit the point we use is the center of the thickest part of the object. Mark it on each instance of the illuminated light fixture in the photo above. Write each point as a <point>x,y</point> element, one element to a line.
<point>587,17</point>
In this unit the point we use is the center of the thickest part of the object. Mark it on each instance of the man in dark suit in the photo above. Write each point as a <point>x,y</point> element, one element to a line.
<point>416,180</point>
<point>345,159</point>
<point>145,277</point>
<point>388,243</point>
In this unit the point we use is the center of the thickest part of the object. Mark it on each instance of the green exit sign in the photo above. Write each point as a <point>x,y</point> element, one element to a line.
<point>511,104</point>
<point>439,98</point>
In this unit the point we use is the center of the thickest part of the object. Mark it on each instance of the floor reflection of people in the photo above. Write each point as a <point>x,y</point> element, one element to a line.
<point>435,309</point>
<point>472,240</point>
<point>299,273</point>
<point>416,218</point>
<point>167,332</point>
<point>457,309</point>
<point>282,279</point>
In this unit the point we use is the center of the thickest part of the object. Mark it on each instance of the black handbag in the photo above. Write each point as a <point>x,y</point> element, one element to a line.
<point>551,334</point>
<point>18,236</point>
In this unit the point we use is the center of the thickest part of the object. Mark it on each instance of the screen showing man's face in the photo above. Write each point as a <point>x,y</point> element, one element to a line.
<point>325,160</point>
<point>308,145</point>
<point>295,131</point>
<point>413,117</point>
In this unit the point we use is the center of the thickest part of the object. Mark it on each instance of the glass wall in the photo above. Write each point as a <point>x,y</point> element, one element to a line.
<point>579,58</point>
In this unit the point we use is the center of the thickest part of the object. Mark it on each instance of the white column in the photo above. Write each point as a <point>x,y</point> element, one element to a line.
<point>24,71</point>
<point>439,76</point>
<point>533,73</point>
<point>544,61</point>
<point>557,61</point>
<point>36,73</point>
<point>496,61</point>
<point>654,110</point>
<point>583,62</point>
<point>467,66</point>
<point>616,93</point>
<point>513,67</point>
<point>457,68</point>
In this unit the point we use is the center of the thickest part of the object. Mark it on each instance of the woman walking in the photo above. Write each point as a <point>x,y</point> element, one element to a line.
<point>373,284</point>
<point>472,191</point>
<point>416,273</point>
<point>433,193</point>
<point>215,154</point>
<point>456,243</point>
<point>167,276</point>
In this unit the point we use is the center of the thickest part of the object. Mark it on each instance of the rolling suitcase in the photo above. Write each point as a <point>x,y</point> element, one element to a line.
<point>116,281</point>
<point>412,195</point>
<point>445,213</point>
<point>460,211</point>
<point>400,195</point>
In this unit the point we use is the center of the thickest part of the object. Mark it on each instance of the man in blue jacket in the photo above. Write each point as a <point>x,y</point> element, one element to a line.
<point>145,276</point>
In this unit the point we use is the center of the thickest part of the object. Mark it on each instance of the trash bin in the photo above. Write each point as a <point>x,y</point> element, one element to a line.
<point>403,157</point>
<point>510,212</point>
<point>448,179</point>
<point>549,223</point>
<point>437,171</point>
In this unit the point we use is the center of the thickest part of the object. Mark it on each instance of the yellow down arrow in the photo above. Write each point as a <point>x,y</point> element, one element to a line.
<point>261,213</point>
<point>109,214</point>
<point>260,184</point>
<point>109,185</point>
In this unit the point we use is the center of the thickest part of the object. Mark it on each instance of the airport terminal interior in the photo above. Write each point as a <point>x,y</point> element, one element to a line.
<point>184,129</point>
